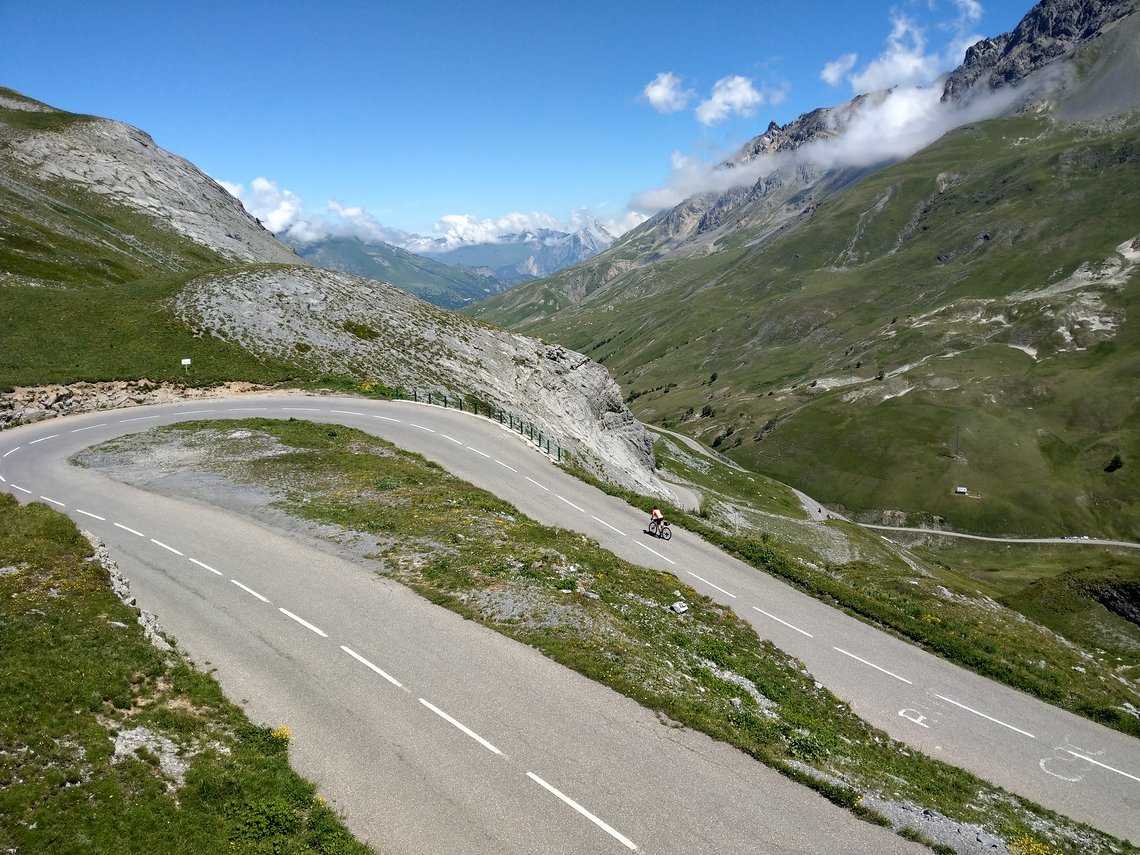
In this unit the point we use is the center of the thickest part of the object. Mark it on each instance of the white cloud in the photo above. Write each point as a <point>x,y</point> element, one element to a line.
<point>283,213</point>
<point>905,61</point>
<point>969,11</point>
<point>872,132</point>
<point>665,95</point>
<point>730,95</point>
<point>834,72</point>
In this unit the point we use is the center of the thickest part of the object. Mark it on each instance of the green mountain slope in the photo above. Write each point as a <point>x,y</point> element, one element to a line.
<point>967,317</point>
<point>434,281</point>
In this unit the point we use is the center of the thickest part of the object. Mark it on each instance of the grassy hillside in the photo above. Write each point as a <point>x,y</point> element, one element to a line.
<point>438,283</point>
<point>86,282</point>
<point>108,744</point>
<point>903,341</point>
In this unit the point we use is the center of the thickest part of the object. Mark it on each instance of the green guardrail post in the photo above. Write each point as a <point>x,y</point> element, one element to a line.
<point>512,421</point>
<point>560,454</point>
<point>429,396</point>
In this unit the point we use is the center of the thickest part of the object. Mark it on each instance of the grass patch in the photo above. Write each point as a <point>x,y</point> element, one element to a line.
<point>608,619</point>
<point>75,673</point>
<point>960,619</point>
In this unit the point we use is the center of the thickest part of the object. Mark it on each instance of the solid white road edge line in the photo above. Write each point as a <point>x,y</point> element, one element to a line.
<point>617,835</point>
<point>711,585</point>
<point>655,552</point>
<point>164,546</point>
<point>983,715</point>
<point>206,567</point>
<point>301,621</point>
<point>571,504</point>
<point>368,664</point>
<point>547,489</point>
<point>249,590</point>
<point>461,726</point>
<point>131,530</point>
<point>784,622</point>
<point>89,514</point>
<point>873,665</point>
<point>607,525</point>
<point>1102,765</point>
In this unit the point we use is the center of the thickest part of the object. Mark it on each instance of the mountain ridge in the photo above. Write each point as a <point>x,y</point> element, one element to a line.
<point>835,328</point>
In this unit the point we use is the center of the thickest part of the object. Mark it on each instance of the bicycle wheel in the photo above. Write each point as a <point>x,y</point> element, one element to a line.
<point>666,532</point>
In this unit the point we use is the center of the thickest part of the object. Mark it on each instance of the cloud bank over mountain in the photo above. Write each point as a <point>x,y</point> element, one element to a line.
<point>903,117</point>
<point>283,212</point>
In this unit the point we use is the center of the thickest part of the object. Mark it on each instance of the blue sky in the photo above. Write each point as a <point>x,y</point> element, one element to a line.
<point>469,116</point>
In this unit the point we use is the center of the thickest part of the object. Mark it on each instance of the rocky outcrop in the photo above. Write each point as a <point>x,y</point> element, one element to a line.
<point>25,405</point>
<point>1051,29</point>
<point>335,323</point>
<point>123,165</point>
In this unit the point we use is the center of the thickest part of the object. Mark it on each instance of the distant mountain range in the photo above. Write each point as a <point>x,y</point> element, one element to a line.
<point>880,314</point>
<point>452,275</point>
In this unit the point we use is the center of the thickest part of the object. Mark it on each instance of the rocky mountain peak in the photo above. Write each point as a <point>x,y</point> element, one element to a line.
<point>1048,31</point>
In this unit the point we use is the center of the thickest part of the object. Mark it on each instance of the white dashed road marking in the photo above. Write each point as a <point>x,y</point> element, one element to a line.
<point>206,567</point>
<point>89,514</point>
<point>571,504</point>
<point>501,463</point>
<point>547,489</point>
<point>53,501</point>
<point>11,451</point>
<point>607,525</point>
<point>21,489</point>
<point>346,413</point>
<point>164,546</point>
<point>625,841</point>
<point>249,590</point>
<point>452,439</point>
<point>301,621</point>
<point>43,439</point>
<point>711,585</point>
<point>385,418</point>
<point>193,412</point>
<point>988,718</point>
<point>784,622</point>
<point>137,419</point>
<point>477,451</point>
<point>1102,765</point>
<point>131,530</point>
<point>89,427</point>
<point>873,665</point>
<point>461,727</point>
<point>368,664</point>
<point>655,552</point>
<point>421,427</point>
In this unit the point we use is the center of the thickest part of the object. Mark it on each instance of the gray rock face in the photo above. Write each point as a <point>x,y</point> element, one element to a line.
<point>345,325</point>
<point>1049,30</point>
<point>124,165</point>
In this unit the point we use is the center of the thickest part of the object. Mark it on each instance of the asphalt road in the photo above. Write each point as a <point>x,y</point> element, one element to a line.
<point>578,768</point>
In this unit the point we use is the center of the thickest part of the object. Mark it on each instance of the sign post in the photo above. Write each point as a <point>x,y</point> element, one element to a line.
<point>186,365</point>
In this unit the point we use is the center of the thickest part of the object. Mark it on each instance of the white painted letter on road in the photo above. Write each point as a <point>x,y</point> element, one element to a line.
<point>915,716</point>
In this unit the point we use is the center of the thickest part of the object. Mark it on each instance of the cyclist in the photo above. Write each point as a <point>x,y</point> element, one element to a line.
<point>655,519</point>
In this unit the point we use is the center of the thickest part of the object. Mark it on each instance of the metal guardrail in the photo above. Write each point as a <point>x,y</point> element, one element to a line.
<point>508,419</point>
